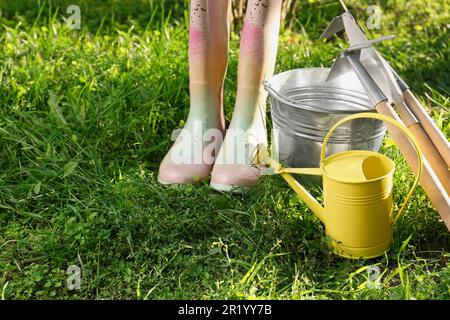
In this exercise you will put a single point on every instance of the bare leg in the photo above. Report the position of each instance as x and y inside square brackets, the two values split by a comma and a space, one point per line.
[191, 157]
[257, 58]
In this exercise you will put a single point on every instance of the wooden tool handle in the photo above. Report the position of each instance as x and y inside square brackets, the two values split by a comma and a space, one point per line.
[429, 181]
[432, 155]
[429, 126]
[428, 149]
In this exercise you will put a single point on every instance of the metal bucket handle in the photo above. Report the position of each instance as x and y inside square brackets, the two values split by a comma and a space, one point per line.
[400, 126]
[284, 98]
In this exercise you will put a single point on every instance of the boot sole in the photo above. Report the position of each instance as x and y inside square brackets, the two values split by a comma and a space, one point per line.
[228, 188]
[176, 184]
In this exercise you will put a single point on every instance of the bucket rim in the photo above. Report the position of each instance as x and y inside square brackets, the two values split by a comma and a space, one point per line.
[299, 105]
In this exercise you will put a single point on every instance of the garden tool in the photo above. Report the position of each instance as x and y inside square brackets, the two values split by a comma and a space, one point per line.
[401, 90]
[357, 186]
[385, 78]
[437, 137]
[349, 60]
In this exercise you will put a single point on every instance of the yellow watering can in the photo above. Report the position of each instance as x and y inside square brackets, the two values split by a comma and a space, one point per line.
[357, 186]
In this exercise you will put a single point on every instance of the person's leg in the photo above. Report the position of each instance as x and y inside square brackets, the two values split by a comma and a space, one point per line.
[191, 158]
[257, 58]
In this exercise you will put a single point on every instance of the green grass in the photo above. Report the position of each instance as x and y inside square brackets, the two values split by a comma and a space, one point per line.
[86, 116]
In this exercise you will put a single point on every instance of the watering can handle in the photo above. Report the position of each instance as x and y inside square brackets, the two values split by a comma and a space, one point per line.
[400, 126]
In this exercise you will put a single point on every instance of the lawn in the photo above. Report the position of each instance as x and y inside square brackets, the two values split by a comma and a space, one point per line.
[87, 115]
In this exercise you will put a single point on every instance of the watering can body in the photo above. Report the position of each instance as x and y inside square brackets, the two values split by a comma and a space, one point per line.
[358, 215]
[357, 208]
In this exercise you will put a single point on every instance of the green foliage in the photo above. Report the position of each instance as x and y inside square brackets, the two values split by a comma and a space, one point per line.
[86, 116]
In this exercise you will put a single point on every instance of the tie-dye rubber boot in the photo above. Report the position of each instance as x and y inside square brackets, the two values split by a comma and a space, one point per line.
[193, 154]
[233, 170]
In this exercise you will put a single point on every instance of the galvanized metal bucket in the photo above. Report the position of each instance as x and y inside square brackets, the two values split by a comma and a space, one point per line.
[305, 107]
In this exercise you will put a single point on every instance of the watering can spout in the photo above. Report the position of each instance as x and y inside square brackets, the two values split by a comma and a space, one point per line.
[303, 194]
